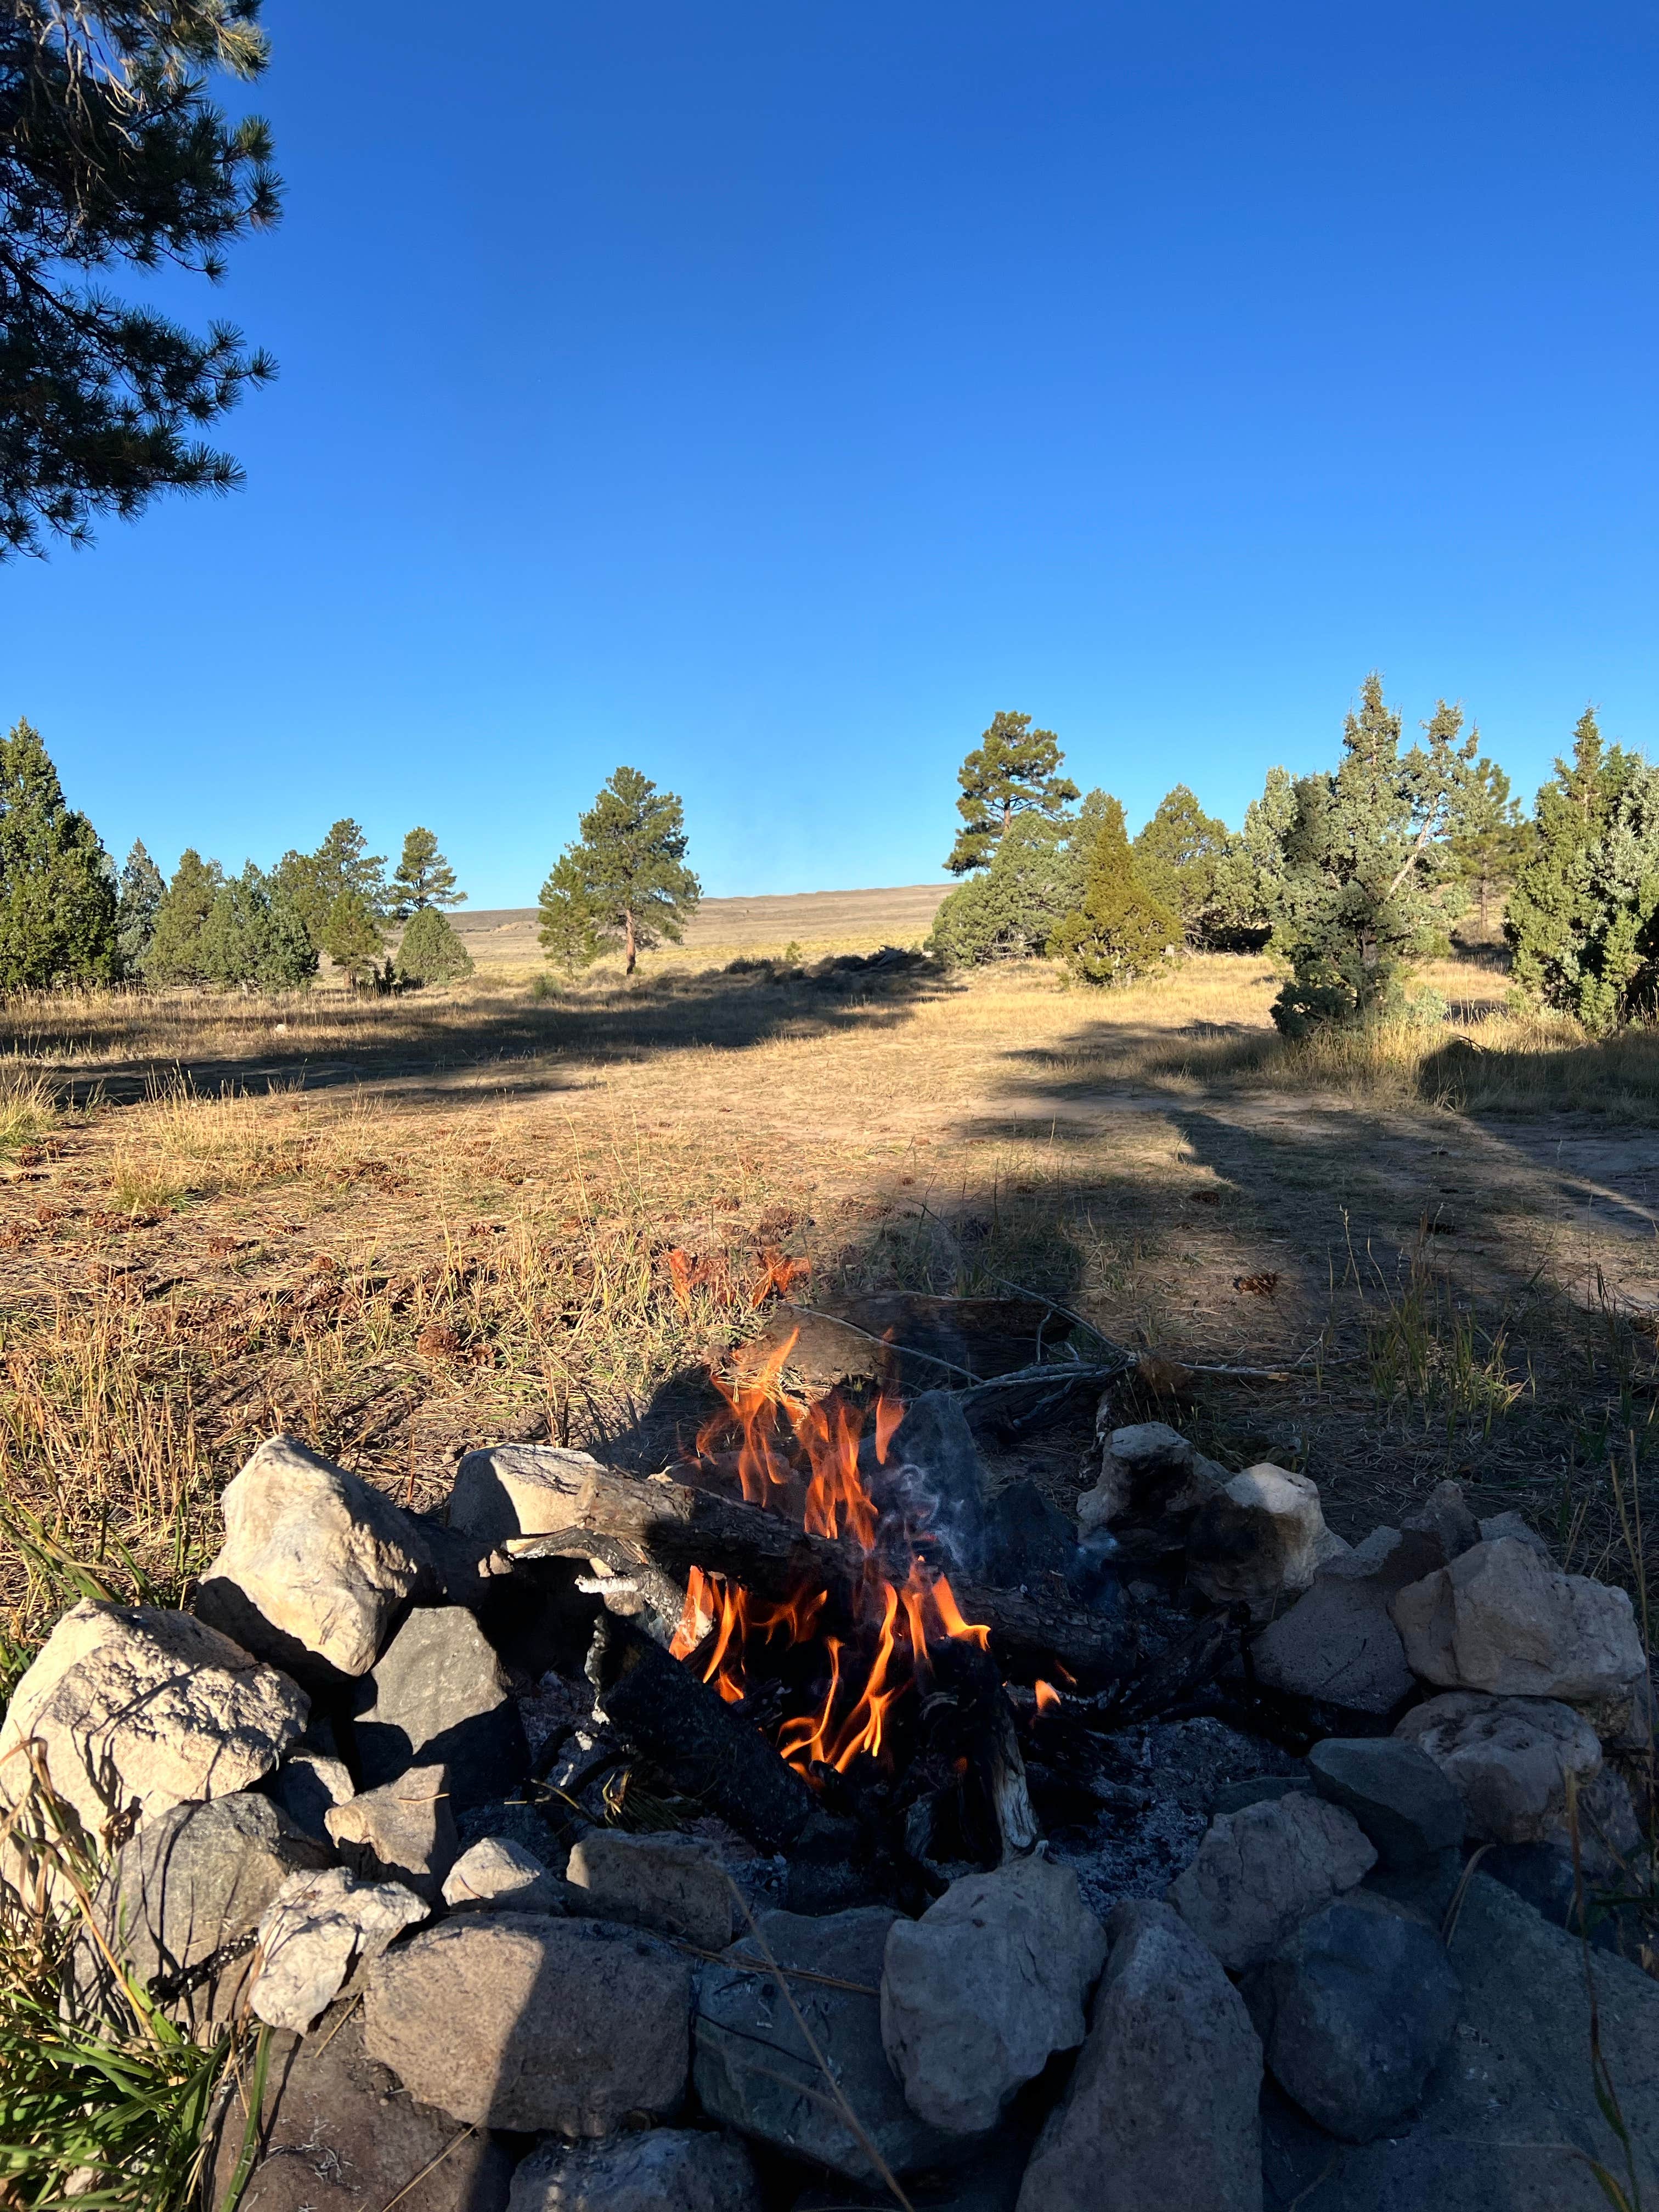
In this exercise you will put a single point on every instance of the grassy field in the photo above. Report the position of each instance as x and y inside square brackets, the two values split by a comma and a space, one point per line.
[403, 1226]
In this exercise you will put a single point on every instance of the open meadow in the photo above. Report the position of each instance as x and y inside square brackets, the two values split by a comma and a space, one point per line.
[402, 1226]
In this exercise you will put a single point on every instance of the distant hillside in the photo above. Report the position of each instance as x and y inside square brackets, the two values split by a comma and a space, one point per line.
[900, 916]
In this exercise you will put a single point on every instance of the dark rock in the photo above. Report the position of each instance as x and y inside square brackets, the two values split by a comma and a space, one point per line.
[438, 1697]
[309, 1785]
[1400, 1797]
[1355, 2009]
[933, 1471]
[651, 2170]
[1260, 1789]
[752, 2070]
[1510, 2115]
[1543, 1874]
[1027, 1537]
[403, 1831]
[1337, 1642]
[516, 1822]
[337, 2134]
[1444, 1515]
[1426, 1889]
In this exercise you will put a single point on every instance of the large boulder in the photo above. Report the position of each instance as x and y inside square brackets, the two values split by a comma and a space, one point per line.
[134, 1711]
[1354, 2009]
[1257, 1873]
[518, 1490]
[314, 1565]
[189, 1885]
[1501, 1619]
[753, 2071]
[1263, 1537]
[655, 2170]
[1508, 1759]
[336, 2133]
[403, 1831]
[1161, 2109]
[1406, 1804]
[438, 1697]
[1511, 2114]
[527, 2021]
[317, 1931]
[978, 1994]
[675, 1884]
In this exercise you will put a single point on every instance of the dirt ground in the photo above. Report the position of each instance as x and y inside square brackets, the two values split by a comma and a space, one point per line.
[404, 1227]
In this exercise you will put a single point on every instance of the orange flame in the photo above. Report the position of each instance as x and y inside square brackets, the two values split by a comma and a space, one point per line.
[754, 1400]
[1046, 1697]
[950, 1612]
[889, 1414]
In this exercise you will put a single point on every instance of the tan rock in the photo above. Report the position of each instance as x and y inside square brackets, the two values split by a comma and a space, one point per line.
[1508, 1759]
[316, 1929]
[674, 1883]
[1260, 1871]
[518, 1490]
[1262, 1539]
[136, 1710]
[315, 1562]
[1503, 1620]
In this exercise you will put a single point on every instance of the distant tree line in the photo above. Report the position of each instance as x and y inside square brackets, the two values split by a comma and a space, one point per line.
[67, 917]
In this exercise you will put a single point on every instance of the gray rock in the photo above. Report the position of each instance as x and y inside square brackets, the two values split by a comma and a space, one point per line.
[189, 1884]
[660, 2170]
[499, 1873]
[676, 1884]
[314, 1564]
[1161, 2109]
[1260, 1871]
[135, 1710]
[317, 1931]
[1259, 1790]
[1501, 1620]
[1509, 2116]
[1354, 2010]
[1152, 1475]
[1496, 1526]
[1404, 1803]
[1508, 1759]
[753, 2070]
[1445, 1517]
[438, 1697]
[1337, 1644]
[336, 2135]
[526, 2022]
[934, 1462]
[518, 1490]
[309, 1785]
[1263, 1537]
[403, 1832]
[978, 1994]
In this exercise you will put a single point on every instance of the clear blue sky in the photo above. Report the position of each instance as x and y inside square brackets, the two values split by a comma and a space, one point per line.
[763, 395]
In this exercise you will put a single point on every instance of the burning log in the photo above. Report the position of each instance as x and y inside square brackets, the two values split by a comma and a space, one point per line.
[673, 1527]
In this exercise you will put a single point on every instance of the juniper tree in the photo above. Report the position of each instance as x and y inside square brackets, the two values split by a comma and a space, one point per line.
[175, 952]
[423, 877]
[1176, 858]
[625, 881]
[314, 883]
[431, 950]
[112, 156]
[252, 935]
[56, 886]
[1371, 878]
[352, 935]
[1119, 930]
[141, 890]
[1013, 769]
[1249, 869]
[1010, 909]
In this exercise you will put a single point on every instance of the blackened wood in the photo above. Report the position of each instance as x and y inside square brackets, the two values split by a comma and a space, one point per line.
[706, 1747]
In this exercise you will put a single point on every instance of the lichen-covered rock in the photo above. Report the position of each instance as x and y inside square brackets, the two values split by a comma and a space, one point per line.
[1259, 1872]
[135, 1710]
[525, 2022]
[978, 1994]
[1161, 2111]
[1508, 1759]
[315, 1562]
[1501, 1620]
[316, 1930]
[1263, 1538]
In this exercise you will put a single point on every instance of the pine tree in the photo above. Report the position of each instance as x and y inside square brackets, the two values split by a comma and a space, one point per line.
[625, 882]
[1120, 931]
[143, 889]
[110, 155]
[352, 935]
[1494, 837]
[431, 950]
[175, 954]
[1176, 858]
[423, 877]
[314, 883]
[1250, 869]
[1013, 769]
[1554, 913]
[1010, 909]
[252, 936]
[56, 887]
[1370, 880]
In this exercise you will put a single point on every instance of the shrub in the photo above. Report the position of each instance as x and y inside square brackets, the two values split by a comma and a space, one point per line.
[432, 950]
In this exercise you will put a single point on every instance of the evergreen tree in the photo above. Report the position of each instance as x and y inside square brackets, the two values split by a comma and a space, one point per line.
[423, 877]
[143, 889]
[1371, 878]
[625, 882]
[1176, 858]
[1013, 769]
[431, 950]
[1249, 869]
[175, 954]
[1494, 837]
[56, 886]
[352, 935]
[1120, 931]
[111, 156]
[314, 883]
[252, 936]
[1010, 909]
